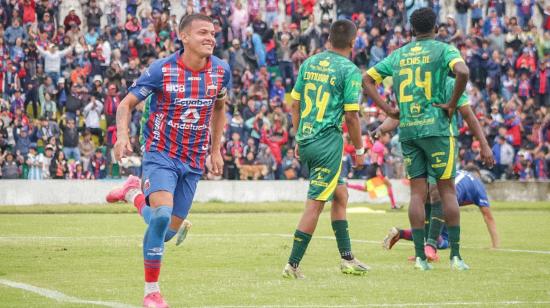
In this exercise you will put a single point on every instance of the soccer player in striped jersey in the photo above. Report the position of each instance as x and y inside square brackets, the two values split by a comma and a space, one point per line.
[189, 90]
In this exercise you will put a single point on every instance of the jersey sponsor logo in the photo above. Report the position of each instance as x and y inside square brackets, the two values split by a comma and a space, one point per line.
[175, 88]
[146, 184]
[157, 124]
[190, 116]
[193, 102]
[169, 70]
[187, 126]
[416, 49]
[194, 78]
[324, 63]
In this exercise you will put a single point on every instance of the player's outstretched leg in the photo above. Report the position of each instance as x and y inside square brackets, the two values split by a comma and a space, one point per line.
[349, 264]
[131, 193]
[153, 247]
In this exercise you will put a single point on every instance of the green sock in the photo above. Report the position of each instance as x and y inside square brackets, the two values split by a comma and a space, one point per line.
[301, 240]
[418, 238]
[340, 228]
[454, 240]
[428, 211]
[436, 224]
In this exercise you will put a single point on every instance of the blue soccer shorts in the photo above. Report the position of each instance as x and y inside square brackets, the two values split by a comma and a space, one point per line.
[163, 173]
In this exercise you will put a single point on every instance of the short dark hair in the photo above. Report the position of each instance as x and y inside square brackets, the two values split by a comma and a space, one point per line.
[472, 169]
[342, 33]
[187, 20]
[423, 20]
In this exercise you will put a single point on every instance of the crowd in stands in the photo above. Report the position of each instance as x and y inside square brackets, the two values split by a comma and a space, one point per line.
[62, 78]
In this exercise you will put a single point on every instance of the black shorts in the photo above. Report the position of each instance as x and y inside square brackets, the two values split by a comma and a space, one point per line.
[372, 171]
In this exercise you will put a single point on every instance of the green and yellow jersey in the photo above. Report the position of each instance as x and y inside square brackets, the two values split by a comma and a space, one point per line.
[419, 71]
[462, 101]
[328, 84]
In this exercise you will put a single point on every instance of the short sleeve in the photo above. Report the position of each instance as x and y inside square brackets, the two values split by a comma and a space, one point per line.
[150, 81]
[449, 88]
[299, 85]
[481, 197]
[452, 56]
[382, 69]
[226, 82]
[352, 89]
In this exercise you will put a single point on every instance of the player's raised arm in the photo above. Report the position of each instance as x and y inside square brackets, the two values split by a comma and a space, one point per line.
[387, 126]
[123, 114]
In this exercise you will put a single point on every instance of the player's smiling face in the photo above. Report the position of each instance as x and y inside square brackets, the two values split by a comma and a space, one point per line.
[199, 38]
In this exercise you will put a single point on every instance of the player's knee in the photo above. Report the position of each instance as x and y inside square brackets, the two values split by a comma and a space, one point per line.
[161, 217]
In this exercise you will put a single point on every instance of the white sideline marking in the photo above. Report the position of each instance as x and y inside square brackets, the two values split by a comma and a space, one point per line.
[60, 297]
[37, 238]
[397, 305]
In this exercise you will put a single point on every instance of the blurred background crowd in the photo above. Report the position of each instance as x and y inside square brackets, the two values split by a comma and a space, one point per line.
[66, 65]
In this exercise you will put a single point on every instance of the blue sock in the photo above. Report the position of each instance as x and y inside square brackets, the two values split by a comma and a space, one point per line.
[170, 234]
[153, 242]
[146, 214]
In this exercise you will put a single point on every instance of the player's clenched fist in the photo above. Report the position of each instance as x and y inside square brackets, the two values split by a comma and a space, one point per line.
[122, 147]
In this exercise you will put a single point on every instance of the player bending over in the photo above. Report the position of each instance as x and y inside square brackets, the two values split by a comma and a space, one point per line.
[188, 91]
[469, 190]
[419, 71]
[376, 168]
[326, 90]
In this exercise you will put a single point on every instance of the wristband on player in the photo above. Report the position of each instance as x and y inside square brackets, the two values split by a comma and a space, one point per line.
[360, 151]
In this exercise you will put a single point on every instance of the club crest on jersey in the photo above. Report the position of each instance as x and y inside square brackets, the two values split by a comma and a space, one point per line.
[146, 185]
[211, 90]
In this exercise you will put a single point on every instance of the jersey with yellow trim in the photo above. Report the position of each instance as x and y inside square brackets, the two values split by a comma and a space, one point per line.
[462, 101]
[419, 71]
[328, 84]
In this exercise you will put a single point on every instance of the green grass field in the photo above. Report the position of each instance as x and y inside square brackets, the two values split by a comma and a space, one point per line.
[234, 256]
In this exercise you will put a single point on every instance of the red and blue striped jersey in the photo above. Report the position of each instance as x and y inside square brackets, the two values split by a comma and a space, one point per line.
[181, 105]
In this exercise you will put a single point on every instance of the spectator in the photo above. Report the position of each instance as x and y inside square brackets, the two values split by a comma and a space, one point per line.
[70, 139]
[93, 16]
[112, 100]
[14, 32]
[35, 161]
[504, 157]
[524, 10]
[87, 149]
[290, 165]
[72, 20]
[52, 60]
[541, 84]
[10, 167]
[98, 165]
[22, 140]
[58, 166]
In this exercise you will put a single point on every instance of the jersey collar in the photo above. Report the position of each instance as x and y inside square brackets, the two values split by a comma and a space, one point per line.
[179, 61]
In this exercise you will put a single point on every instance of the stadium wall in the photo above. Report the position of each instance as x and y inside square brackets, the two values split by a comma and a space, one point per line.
[20, 192]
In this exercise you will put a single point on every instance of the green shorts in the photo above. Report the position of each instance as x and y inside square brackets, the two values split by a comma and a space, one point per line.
[430, 157]
[323, 158]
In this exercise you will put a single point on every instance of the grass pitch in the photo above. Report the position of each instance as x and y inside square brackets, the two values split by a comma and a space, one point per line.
[234, 256]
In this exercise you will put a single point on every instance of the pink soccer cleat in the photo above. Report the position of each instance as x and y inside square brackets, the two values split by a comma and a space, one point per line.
[431, 253]
[118, 194]
[154, 300]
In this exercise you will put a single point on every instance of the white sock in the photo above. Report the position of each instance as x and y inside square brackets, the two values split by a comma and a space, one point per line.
[151, 287]
[132, 194]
